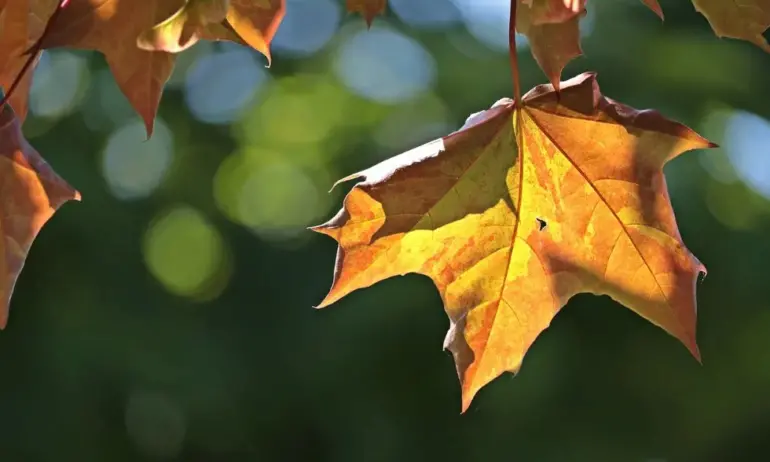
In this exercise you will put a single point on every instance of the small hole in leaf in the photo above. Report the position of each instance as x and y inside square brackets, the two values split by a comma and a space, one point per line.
[541, 224]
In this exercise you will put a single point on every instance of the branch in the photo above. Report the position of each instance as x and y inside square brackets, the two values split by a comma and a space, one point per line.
[33, 52]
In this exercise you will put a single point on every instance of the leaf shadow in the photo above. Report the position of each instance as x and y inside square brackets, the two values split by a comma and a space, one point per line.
[413, 192]
[562, 291]
[656, 141]
[83, 25]
[649, 160]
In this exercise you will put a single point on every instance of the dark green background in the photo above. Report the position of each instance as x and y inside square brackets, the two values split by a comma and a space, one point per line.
[100, 362]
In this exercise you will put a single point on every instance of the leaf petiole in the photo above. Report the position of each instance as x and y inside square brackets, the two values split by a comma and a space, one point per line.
[33, 52]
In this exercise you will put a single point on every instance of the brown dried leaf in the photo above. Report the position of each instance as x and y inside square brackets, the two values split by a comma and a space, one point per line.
[113, 27]
[21, 23]
[31, 192]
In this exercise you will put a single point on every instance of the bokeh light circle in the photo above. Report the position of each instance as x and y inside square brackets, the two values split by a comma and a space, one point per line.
[186, 253]
[155, 424]
[307, 26]
[134, 166]
[219, 85]
[385, 66]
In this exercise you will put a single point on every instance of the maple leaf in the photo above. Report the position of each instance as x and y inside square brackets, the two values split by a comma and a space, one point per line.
[253, 22]
[21, 23]
[31, 193]
[256, 21]
[745, 20]
[655, 7]
[185, 27]
[551, 26]
[553, 11]
[368, 8]
[119, 30]
[518, 211]
[115, 27]
[112, 27]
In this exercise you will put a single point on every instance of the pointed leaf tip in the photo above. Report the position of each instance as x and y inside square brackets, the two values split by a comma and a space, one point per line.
[655, 7]
[553, 43]
[368, 8]
[256, 23]
[32, 193]
[745, 20]
[141, 74]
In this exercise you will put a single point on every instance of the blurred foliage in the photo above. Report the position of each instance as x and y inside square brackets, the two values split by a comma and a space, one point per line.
[169, 315]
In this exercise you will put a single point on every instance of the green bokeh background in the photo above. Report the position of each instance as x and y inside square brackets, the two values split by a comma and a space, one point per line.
[174, 327]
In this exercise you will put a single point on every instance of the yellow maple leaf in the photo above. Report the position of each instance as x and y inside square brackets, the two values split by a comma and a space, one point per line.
[518, 211]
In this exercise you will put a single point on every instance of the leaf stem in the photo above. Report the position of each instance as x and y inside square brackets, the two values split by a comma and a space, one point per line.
[513, 55]
[33, 52]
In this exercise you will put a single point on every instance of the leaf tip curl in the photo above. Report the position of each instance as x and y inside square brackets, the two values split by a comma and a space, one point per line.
[466, 403]
[352, 176]
[323, 304]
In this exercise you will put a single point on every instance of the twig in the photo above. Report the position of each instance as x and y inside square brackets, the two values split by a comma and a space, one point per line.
[33, 51]
[513, 55]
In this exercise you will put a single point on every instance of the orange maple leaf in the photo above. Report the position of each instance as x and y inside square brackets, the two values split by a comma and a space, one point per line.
[114, 27]
[185, 27]
[31, 193]
[553, 11]
[520, 210]
[655, 7]
[253, 22]
[21, 23]
[551, 27]
[256, 21]
[745, 20]
[368, 8]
